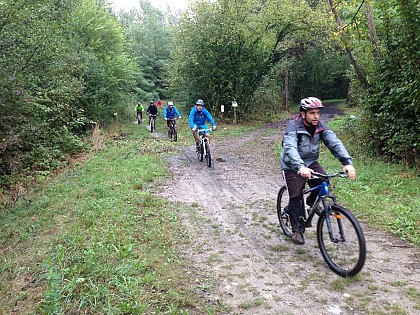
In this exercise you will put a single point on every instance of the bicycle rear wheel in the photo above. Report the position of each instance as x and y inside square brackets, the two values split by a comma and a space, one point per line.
[284, 219]
[208, 154]
[344, 250]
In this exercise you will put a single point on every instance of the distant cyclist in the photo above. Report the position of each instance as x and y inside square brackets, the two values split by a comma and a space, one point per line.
[152, 110]
[170, 112]
[139, 110]
[159, 103]
[299, 159]
[198, 118]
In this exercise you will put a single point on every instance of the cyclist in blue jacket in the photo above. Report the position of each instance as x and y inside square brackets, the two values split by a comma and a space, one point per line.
[299, 157]
[170, 112]
[197, 119]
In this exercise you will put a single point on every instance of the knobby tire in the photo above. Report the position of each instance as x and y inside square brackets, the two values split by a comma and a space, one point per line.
[282, 203]
[152, 125]
[175, 134]
[345, 257]
[208, 154]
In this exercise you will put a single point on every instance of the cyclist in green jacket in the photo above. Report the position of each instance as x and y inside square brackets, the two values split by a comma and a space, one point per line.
[139, 110]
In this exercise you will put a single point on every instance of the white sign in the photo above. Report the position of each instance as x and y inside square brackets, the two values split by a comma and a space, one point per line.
[222, 108]
[234, 104]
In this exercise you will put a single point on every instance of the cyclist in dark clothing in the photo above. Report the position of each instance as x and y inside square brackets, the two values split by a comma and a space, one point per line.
[152, 110]
[299, 157]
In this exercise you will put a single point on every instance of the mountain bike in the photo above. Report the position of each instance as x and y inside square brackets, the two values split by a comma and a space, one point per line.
[139, 118]
[172, 132]
[339, 234]
[204, 147]
[152, 123]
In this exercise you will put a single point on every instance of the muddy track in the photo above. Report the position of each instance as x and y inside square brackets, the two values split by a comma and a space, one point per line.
[239, 256]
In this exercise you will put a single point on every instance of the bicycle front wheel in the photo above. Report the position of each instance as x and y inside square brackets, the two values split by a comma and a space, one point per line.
[151, 125]
[200, 152]
[175, 134]
[343, 245]
[208, 154]
[283, 216]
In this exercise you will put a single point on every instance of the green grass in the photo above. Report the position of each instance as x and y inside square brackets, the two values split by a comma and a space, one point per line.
[96, 239]
[385, 195]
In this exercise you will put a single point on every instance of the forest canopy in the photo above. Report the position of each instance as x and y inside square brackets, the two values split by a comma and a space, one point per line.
[67, 66]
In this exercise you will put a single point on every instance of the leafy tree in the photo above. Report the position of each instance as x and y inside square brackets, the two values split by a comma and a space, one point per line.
[62, 64]
[227, 49]
[149, 41]
[392, 109]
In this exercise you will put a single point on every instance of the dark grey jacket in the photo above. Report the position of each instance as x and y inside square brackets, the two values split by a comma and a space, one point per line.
[295, 155]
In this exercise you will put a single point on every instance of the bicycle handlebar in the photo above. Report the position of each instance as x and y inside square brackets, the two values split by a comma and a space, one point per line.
[342, 174]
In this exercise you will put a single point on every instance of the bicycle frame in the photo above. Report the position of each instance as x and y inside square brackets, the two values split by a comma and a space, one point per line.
[172, 124]
[202, 139]
[322, 196]
[204, 146]
[339, 235]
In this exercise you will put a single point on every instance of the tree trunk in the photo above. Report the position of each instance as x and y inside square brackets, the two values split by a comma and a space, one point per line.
[359, 71]
[286, 88]
[372, 31]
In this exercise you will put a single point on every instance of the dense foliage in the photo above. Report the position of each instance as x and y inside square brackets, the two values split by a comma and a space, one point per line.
[149, 42]
[63, 66]
[66, 66]
[228, 50]
[393, 107]
[383, 38]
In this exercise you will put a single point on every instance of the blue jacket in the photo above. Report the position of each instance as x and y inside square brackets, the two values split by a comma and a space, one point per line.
[300, 149]
[199, 118]
[170, 114]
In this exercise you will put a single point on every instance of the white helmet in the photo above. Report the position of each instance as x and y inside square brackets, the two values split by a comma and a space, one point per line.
[309, 103]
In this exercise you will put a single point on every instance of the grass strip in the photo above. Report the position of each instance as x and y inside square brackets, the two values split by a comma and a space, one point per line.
[97, 240]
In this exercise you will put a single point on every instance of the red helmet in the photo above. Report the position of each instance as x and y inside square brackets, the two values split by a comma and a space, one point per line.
[309, 103]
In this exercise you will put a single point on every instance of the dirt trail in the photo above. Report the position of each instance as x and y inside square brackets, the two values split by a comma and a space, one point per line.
[240, 257]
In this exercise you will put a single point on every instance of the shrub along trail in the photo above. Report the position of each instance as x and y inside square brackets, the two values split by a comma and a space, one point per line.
[239, 256]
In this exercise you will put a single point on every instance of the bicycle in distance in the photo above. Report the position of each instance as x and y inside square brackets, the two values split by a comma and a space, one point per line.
[152, 123]
[204, 147]
[172, 132]
[339, 234]
[139, 118]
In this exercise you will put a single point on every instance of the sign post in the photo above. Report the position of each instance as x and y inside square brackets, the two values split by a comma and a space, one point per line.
[234, 105]
[222, 110]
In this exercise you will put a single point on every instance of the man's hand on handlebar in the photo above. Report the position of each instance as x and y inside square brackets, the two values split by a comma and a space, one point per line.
[305, 172]
[351, 171]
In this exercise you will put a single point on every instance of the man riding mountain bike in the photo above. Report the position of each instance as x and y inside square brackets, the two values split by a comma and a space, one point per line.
[170, 112]
[299, 157]
[152, 110]
[198, 118]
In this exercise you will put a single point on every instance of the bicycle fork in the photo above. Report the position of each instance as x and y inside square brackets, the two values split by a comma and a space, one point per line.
[328, 210]
[203, 144]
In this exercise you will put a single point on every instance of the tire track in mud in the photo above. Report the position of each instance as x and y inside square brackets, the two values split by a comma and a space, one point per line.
[239, 255]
